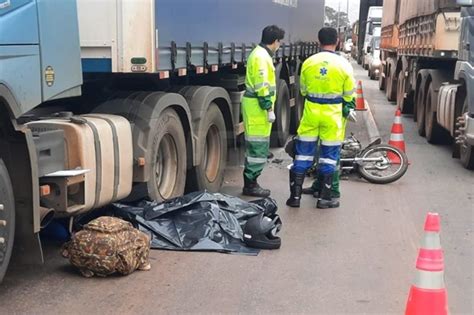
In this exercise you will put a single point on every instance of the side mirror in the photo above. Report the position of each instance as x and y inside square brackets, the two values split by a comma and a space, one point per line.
[369, 49]
[465, 3]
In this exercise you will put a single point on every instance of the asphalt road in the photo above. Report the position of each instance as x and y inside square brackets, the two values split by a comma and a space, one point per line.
[358, 259]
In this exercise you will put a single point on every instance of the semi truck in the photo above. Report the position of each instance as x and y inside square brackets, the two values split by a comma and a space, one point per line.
[369, 21]
[427, 68]
[105, 100]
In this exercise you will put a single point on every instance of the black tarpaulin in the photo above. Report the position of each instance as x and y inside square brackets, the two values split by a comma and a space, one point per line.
[200, 221]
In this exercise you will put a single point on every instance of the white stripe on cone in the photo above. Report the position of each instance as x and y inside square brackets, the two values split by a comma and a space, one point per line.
[396, 137]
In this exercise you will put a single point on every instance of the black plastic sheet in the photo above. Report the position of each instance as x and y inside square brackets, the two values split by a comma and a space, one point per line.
[200, 221]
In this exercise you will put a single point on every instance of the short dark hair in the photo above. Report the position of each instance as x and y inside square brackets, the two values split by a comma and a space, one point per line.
[327, 36]
[272, 33]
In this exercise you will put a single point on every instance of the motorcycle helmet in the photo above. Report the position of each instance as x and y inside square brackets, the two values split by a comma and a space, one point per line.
[261, 232]
[268, 205]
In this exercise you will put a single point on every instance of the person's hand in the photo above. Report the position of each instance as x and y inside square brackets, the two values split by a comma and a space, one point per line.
[352, 115]
[271, 116]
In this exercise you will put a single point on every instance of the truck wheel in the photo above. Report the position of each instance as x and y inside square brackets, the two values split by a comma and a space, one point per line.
[7, 219]
[466, 150]
[209, 174]
[420, 110]
[433, 131]
[297, 110]
[415, 104]
[372, 75]
[381, 82]
[168, 169]
[404, 103]
[281, 126]
[390, 91]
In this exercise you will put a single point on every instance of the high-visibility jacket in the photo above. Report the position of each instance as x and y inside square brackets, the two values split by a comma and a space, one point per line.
[260, 90]
[327, 83]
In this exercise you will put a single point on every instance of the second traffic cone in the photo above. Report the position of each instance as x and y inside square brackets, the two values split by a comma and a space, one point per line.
[360, 101]
[428, 294]
[396, 137]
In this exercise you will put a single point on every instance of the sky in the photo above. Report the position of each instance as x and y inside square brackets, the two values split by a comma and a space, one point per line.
[353, 7]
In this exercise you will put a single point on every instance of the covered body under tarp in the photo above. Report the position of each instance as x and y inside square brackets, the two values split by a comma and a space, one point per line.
[200, 221]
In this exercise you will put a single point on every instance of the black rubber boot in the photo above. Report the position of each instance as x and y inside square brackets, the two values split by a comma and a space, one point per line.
[296, 188]
[252, 188]
[325, 200]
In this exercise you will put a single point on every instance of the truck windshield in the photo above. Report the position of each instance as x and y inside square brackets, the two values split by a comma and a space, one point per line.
[375, 12]
[377, 43]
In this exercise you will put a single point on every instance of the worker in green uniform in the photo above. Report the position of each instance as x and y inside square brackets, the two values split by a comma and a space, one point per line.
[327, 83]
[257, 108]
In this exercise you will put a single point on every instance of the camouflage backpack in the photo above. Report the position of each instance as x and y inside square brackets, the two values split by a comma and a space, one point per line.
[107, 245]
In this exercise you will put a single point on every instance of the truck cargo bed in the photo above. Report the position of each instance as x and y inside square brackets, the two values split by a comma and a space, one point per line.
[435, 35]
[151, 36]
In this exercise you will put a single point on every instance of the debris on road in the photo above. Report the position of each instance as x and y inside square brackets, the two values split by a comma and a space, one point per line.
[200, 221]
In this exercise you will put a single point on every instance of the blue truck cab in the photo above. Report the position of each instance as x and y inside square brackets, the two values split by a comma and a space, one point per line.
[39, 62]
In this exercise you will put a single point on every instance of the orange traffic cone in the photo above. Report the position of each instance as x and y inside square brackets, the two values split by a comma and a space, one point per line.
[360, 102]
[428, 293]
[396, 137]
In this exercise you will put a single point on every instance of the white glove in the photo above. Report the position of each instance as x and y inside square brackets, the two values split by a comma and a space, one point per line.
[352, 115]
[271, 116]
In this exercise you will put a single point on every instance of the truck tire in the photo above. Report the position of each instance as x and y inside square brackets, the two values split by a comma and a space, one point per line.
[381, 82]
[390, 90]
[209, 174]
[466, 151]
[281, 126]
[433, 131]
[297, 110]
[404, 103]
[372, 75]
[168, 169]
[7, 217]
[420, 110]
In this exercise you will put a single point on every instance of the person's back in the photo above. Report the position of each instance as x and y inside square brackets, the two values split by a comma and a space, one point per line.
[326, 78]
[331, 71]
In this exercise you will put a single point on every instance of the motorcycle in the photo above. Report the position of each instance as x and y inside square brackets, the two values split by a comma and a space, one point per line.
[377, 163]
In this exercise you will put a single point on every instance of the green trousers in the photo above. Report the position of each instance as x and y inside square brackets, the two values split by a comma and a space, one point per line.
[256, 153]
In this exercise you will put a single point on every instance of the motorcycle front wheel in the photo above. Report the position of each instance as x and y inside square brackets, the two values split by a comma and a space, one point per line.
[382, 164]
